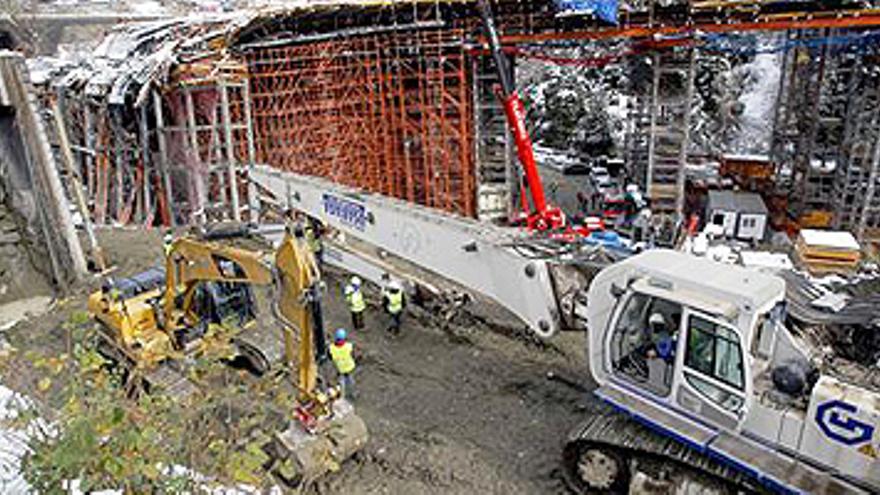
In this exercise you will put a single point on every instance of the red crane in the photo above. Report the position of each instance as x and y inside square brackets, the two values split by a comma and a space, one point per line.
[539, 215]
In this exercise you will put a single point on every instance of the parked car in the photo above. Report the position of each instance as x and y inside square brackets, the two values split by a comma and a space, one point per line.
[600, 177]
[575, 168]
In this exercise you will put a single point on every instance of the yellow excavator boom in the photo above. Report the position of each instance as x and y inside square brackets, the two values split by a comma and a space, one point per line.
[296, 280]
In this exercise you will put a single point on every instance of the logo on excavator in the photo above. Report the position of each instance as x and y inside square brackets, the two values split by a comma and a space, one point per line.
[348, 212]
[837, 420]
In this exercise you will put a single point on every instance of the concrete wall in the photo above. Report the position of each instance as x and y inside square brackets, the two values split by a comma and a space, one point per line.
[30, 178]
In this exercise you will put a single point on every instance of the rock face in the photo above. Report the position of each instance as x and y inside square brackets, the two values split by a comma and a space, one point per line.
[24, 268]
[19, 277]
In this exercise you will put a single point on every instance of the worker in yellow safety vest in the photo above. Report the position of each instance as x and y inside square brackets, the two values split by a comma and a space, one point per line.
[354, 296]
[167, 241]
[313, 232]
[394, 303]
[342, 353]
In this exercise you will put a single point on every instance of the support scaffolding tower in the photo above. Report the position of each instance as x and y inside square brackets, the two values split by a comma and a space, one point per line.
[498, 176]
[858, 207]
[806, 124]
[658, 136]
[826, 140]
[390, 113]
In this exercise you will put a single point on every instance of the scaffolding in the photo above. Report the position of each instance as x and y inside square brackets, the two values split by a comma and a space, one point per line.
[858, 207]
[495, 153]
[659, 127]
[805, 105]
[398, 99]
[210, 142]
[827, 133]
[386, 113]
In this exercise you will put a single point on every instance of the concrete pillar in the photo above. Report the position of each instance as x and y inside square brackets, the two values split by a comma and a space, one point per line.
[41, 161]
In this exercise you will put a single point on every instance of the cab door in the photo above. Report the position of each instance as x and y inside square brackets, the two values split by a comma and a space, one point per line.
[635, 352]
[712, 378]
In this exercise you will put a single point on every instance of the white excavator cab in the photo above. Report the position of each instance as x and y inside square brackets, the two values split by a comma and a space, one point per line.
[678, 354]
[698, 351]
[668, 330]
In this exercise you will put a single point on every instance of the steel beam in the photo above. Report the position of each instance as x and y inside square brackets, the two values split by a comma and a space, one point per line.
[854, 19]
[168, 192]
[230, 151]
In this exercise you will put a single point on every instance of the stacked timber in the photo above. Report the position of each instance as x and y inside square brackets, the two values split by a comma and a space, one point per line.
[825, 251]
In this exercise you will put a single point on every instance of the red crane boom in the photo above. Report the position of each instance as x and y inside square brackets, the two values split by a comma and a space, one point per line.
[540, 216]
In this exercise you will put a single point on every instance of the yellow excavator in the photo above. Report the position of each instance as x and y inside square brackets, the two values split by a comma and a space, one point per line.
[154, 322]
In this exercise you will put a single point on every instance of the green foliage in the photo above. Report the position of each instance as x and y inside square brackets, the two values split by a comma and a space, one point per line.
[568, 107]
[108, 437]
[244, 464]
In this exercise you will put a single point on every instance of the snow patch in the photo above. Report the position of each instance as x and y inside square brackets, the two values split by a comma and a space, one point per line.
[759, 102]
[148, 7]
[766, 261]
[14, 443]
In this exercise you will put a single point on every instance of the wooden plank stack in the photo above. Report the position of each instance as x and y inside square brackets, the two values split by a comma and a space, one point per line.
[826, 251]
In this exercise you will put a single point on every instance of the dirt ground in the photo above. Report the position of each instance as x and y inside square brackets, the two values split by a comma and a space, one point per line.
[447, 416]
[466, 412]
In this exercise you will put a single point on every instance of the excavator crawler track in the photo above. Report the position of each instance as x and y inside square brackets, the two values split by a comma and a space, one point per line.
[617, 454]
[163, 376]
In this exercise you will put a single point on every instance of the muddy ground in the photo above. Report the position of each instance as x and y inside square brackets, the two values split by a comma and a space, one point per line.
[468, 411]
[478, 416]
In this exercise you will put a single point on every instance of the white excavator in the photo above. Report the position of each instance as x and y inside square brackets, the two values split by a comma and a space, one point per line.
[697, 352]
[707, 385]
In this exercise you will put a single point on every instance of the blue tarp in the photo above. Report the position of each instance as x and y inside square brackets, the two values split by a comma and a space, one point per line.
[609, 240]
[603, 9]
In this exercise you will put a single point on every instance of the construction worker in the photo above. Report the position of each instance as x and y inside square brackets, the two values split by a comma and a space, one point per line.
[313, 232]
[394, 303]
[356, 303]
[342, 353]
[167, 241]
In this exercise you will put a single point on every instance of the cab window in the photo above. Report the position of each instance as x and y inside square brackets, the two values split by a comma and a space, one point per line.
[644, 342]
[714, 351]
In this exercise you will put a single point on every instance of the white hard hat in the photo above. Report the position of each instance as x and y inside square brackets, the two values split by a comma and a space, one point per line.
[356, 281]
[169, 237]
[395, 285]
[656, 319]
